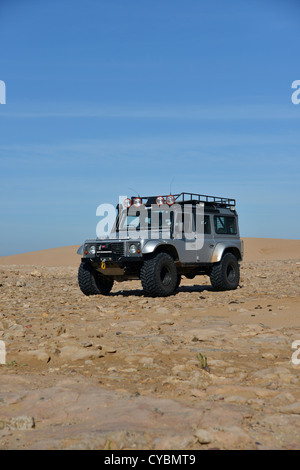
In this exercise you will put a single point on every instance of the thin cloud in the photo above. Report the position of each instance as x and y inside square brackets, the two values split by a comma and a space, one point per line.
[223, 113]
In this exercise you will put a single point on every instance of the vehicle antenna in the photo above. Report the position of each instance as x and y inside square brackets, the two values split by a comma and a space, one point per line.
[134, 191]
[171, 185]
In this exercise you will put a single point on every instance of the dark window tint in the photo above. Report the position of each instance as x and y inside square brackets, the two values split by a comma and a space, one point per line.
[225, 225]
[207, 228]
[203, 226]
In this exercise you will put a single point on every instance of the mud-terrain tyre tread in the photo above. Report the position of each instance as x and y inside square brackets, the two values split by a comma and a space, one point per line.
[151, 273]
[91, 282]
[178, 281]
[218, 276]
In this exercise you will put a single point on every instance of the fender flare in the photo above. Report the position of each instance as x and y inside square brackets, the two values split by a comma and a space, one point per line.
[80, 250]
[151, 246]
[221, 248]
[162, 246]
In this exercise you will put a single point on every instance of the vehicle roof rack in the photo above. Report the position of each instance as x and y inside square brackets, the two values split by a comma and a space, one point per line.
[192, 198]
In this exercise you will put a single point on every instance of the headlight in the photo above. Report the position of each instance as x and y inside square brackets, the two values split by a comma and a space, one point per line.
[132, 249]
[92, 250]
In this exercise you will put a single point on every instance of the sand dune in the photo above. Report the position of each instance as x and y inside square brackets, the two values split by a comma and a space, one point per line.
[256, 249]
[63, 256]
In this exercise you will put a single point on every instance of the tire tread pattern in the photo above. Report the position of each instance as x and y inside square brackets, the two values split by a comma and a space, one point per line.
[89, 284]
[149, 276]
[218, 277]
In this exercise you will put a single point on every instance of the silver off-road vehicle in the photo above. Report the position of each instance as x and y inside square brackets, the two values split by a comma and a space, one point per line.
[158, 239]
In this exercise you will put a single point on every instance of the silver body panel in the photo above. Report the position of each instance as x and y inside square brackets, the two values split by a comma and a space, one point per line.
[186, 249]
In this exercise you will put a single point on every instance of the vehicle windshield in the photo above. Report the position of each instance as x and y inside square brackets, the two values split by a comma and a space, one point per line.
[143, 220]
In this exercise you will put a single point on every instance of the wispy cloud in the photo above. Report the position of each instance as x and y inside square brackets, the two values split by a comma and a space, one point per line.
[193, 112]
[239, 147]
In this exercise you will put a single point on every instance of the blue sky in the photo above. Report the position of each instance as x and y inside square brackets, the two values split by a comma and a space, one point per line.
[107, 95]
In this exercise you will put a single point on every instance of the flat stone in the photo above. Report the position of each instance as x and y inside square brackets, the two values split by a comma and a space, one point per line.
[294, 408]
[22, 423]
[39, 354]
[203, 436]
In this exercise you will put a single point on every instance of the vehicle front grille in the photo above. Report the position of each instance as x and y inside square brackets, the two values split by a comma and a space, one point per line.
[117, 248]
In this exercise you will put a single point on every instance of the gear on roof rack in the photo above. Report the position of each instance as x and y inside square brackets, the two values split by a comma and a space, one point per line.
[190, 198]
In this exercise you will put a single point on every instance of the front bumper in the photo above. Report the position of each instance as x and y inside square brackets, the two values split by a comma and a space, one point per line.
[113, 258]
[116, 266]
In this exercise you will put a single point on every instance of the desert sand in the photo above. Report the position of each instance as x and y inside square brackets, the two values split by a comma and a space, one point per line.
[197, 370]
[256, 249]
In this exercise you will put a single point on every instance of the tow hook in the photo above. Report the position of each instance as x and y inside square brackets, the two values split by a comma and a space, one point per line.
[103, 265]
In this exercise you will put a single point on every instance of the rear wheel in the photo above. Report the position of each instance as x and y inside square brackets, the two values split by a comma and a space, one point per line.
[93, 283]
[159, 275]
[225, 275]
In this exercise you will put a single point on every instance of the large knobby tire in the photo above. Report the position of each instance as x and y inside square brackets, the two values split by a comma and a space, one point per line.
[178, 282]
[159, 275]
[93, 283]
[225, 275]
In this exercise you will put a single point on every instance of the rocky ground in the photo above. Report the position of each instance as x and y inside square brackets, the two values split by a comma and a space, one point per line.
[198, 370]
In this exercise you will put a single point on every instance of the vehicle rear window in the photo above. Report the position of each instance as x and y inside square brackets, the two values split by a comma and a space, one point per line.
[225, 225]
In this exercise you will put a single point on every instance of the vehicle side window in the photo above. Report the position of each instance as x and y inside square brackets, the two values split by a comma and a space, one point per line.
[207, 228]
[205, 225]
[225, 225]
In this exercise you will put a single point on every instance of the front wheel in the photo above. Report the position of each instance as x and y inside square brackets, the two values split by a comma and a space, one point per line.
[159, 275]
[178, 281]
[225, 275]
[93, 283]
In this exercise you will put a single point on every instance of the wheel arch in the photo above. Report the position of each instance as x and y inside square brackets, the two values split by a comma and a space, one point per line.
[153, 248]
[221, 249]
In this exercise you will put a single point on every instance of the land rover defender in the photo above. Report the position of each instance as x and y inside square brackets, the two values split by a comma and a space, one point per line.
[159, 239]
